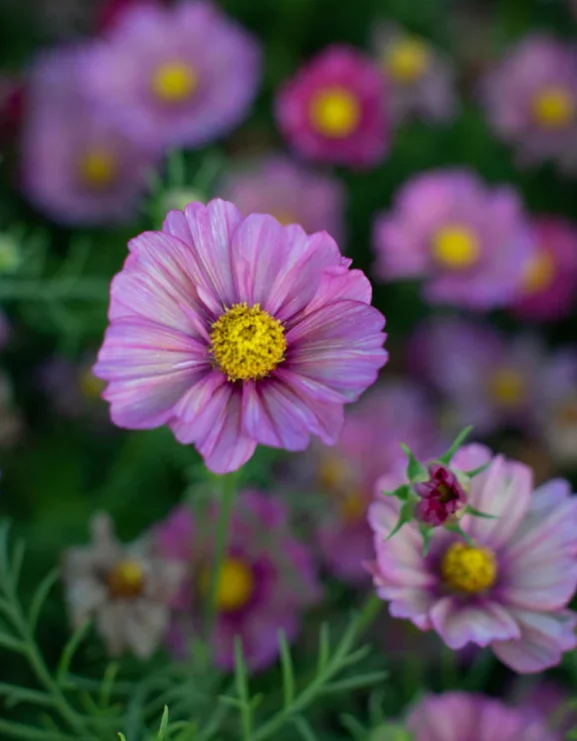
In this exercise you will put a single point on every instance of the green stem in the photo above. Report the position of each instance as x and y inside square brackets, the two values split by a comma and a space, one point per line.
[228, 491]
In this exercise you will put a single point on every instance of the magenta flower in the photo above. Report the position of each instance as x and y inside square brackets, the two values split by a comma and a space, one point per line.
[267, 579]
[189, 74]
[369, 446]
[549, 278]
[459, 716]
[333, 110]
[531, 100]
[292, 193]
[509, 590]
[236, 332]
[419, 79]
[77, 166]
[442, 496]
[468, 242]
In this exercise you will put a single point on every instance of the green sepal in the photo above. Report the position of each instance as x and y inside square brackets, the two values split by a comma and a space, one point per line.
[402, 492]
[477, 513]
[415, 470]
[459, 440]
[456, 528]
[477, 471]
[405, 515]
[427, 534]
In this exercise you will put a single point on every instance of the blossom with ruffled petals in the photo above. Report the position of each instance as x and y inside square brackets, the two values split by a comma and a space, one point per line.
[508, 589]
[236, 332]
[266, 581]
[334, 109]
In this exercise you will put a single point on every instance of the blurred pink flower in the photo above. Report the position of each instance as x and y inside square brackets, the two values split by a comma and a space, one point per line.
[549, 277]
[334, 109]
[236, 332]
[467, 241]
[531, 100]
[73, 389]
[267, 579]
[174, 76]
[459, 716]
[291, 192]
[510, 589]
[419, 79]
[550, 703]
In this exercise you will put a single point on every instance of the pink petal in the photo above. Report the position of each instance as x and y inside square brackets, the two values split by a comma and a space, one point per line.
[461, 623]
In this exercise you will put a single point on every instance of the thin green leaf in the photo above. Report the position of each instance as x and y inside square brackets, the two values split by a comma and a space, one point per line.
[459, 440]
[477, 513]
[402, 492]
[40, 596]
[288, 679]
[233, 702]
[353, 683]
[415, 470]
[405, 515]
[477, 471]
[163, 724]
[324, 648]
[12, 643]
[15, 695]
[427, 534]
[70, 649]
[456, 528]
[107, 686]
[121, 736]
[353, 726]
[304, 729]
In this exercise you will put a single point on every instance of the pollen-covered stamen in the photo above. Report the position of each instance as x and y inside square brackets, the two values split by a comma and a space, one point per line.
[125, 580]
[468, 569]
[247, 343]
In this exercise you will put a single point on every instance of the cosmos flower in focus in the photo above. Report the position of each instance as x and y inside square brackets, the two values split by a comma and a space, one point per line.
[509, 588]
[369, 446]
[292, 193]
[531, 100]
[77, 166]
[189, 73]
[236, 332]
[126, 588]
[549, 278]
[457, 716]
[419, 80]
[334, 109]
[266, 582]
[467, 241]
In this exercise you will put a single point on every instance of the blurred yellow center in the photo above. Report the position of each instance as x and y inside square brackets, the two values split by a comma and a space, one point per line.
[285, 218]
[507, 387]
[98, 168]
[468, 569]
[126, 580]
[90, 385]
[235, 585]
[456, 247]
[553, 108]
[335, 112]
[407, 59]
[352, 508]
[247, 343]
[332, 472]
[539, 273]
[174, 82]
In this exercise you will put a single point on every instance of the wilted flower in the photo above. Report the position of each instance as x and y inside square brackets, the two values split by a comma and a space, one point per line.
[531, 100]
[420, 79]
[549, 278]
[236, 332]
[189, 73]
[266, 581]
[509, 587]
[466, 240]
[292, 193]
[76, 164]
[442, 496]
[368, 447]
[458, 716]
[127, 589]
[334, 109]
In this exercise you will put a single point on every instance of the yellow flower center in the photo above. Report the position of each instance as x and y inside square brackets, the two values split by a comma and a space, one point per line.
[507, 387]
[539, 273]
[335, 112]
[352, 508]
[332, 473]
[98, 168]
[553, 108]
[285, 218]
[407, 59]
[174, 82]
[247, 343]
[125, 580]
[469, 569]
[456, 247]
[235, 585]
[90, 385]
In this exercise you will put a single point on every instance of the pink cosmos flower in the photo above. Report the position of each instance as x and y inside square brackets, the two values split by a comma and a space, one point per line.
[267, 579]
[77, 166]
[333, 110]
[510, 589]
[236, 332]
[419, 79]
[189, 74]
[459, 716]
[467, 241]
[550, 277]
[292, 193]
[531, 100]
[368, 447]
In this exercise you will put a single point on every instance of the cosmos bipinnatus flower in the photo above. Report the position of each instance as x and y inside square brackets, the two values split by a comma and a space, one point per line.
[125, 588]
